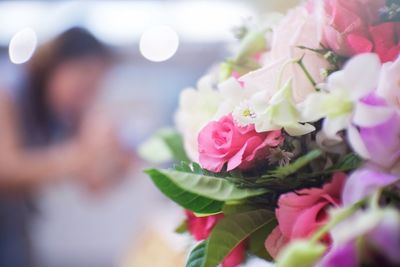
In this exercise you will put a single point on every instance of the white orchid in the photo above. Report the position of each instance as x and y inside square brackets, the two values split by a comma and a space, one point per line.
[279, 112]
[340, 101]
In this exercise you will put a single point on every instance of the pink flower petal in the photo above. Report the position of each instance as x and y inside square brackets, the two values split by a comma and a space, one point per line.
[236, 257]
[275, 242]
[307, 221]
[236, 160]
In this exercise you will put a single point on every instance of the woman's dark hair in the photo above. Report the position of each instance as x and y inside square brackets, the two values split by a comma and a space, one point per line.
[72, 44]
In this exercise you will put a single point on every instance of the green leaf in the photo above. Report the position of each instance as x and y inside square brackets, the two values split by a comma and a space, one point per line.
[231, 231]
[197, 255]
[187, 200]
[292, 168]
[251, 44]
[175, 143]
[229, 209]
[348, 163]
[182, 228]
[208, 186]
[165, 145]
[257, 241]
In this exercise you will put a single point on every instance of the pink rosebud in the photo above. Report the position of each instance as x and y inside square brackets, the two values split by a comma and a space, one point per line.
[201, 227]
[223, 142]
[236, 257]
[301, 213]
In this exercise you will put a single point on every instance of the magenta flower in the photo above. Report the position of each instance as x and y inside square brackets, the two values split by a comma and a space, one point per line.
[343, 256]
[372, 238]
[364, 182]
[383, 141]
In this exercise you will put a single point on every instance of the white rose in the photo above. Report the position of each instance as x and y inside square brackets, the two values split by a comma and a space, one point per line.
[197, 107]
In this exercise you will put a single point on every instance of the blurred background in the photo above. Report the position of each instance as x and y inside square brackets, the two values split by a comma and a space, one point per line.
[134, 57]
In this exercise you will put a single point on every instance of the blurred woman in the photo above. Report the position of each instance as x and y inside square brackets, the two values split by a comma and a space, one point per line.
[50, 131]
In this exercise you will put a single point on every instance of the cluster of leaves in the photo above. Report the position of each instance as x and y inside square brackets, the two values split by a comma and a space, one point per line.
[191, 188]
[247, 200]
[203, 193]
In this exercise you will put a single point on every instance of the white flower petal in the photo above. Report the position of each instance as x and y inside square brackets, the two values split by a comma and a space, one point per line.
[336, 81]
[389, 83]
[206, 81]
[265, 78]
[196, 108]
[362, 74]
[230, 88]
[367, 116]
[264, 124]
[298, 129]
[313, 108]
[332, 126]
[356, 142]
[284, 94]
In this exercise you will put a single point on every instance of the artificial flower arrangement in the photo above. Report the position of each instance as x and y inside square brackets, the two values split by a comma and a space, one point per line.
[290, 150]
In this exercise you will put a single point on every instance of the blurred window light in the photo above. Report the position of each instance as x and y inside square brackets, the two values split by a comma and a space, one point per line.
[15, 16]
[122, 22]
[47, 18]
[22, 46]
[209, 21]
[159, 43]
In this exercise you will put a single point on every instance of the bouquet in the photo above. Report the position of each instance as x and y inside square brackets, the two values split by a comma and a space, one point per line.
[289, 151]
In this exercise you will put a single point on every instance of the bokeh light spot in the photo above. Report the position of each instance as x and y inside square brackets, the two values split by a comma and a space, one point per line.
[159, 43]
[22, 46]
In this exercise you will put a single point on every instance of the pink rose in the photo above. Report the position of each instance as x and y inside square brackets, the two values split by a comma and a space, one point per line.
[201, 227]
[223, 142]
[353, 27]
[300, 214]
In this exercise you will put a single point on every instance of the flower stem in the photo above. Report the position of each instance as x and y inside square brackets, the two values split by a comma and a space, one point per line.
[306, 72]
[339, 217]
[374, 200]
